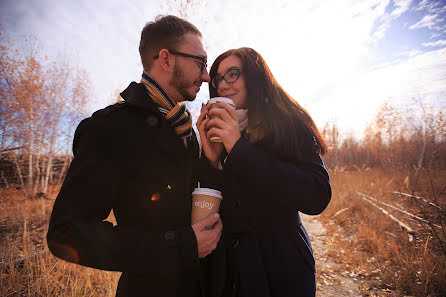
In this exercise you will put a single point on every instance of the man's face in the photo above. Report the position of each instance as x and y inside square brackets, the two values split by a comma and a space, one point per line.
[187, 76]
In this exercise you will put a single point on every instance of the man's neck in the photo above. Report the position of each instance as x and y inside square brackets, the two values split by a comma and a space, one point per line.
[163, 82]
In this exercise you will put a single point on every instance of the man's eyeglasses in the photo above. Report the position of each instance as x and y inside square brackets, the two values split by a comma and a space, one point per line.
[204, 61]
[230, 77]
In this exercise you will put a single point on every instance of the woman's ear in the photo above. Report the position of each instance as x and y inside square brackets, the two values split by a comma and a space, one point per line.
[166, 60]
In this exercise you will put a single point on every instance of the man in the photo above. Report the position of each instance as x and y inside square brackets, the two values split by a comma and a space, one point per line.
[140, 159]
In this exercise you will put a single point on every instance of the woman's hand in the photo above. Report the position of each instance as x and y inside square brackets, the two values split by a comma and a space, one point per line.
[212, 150]
[224, 123]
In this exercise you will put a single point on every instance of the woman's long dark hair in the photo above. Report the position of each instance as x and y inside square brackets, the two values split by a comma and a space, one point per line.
[289, 129]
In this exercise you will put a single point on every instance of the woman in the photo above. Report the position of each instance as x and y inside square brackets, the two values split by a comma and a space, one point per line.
[270, 171]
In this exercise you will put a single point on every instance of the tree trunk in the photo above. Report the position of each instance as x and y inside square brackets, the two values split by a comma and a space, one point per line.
[4, 180]
[55, 127]
[39, 165]
[420, 163]
[29, 181]
[19, 172]
[47, 174]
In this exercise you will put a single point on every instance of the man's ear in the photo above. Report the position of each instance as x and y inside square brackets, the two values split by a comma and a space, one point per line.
[166, 60]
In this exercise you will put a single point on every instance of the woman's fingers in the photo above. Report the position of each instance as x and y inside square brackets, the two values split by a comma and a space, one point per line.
[223, 123]
[223, 116]
[215, 122]
[203, 113]
[211, 150]
[230, 110]
[200, 119]
[215, 131]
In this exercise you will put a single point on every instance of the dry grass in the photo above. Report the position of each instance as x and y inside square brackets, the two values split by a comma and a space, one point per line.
[23, 225]
[379, 254]
[378, 249]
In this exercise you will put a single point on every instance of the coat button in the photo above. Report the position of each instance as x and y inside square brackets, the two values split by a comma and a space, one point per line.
[235, 243]
[152, 121]
[169, 235]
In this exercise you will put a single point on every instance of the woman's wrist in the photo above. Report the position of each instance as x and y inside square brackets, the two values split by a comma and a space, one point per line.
[231, 145]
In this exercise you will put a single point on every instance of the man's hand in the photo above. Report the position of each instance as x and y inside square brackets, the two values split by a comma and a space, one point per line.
[208, 232]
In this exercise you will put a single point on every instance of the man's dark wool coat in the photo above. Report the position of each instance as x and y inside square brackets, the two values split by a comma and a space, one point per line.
[127, 159]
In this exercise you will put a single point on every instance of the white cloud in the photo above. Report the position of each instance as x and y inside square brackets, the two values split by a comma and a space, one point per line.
[434, 44]
[422, 5]
[315, 49]
[410, 53]
[440, 28]
[434, 35]
[306, 42]
[356, 100]
[401, 6]
[431, 6]
[428, 21]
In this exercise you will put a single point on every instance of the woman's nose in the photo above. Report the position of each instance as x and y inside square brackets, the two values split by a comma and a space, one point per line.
[223, 85]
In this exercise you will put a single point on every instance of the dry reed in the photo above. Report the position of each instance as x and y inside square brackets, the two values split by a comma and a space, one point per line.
[374, 246]
[377, 246]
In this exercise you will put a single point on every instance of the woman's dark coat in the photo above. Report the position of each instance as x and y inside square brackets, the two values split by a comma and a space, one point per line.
[128, 159]
[265, 248]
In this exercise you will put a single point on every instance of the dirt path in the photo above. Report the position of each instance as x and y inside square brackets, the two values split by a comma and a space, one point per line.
[330, 282]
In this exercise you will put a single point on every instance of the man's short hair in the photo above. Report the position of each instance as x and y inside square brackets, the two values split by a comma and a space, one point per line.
[165, 32]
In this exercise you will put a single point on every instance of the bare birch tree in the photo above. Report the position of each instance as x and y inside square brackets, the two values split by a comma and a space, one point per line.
[42, 100]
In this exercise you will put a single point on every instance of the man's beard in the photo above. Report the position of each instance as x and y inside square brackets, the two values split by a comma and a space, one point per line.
[180, 83]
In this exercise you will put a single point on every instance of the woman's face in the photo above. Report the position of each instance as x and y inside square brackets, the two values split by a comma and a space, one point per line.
[234, 90]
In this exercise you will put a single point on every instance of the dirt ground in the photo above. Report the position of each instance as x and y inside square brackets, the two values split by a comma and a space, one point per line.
[330, 282]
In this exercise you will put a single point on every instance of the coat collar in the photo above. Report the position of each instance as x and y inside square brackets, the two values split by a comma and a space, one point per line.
[136, 95]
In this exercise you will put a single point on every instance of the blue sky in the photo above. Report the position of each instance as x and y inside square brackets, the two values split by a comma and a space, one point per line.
[341, 59]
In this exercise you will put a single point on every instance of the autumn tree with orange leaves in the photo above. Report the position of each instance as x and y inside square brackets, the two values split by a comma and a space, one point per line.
[409, 137]
[41, 100]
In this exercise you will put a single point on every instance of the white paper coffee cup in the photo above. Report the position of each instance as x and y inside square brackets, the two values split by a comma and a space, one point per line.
[205, 201]
[221, 99]
[214, 100]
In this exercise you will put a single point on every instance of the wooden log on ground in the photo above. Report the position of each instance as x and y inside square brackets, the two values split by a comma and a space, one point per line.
[416, 197]
[401, 224]
[400, 210]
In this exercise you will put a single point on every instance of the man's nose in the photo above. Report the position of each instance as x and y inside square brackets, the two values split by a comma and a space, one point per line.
[205, 76]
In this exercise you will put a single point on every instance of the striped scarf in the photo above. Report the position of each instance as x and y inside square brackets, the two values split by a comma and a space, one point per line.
[178, 117]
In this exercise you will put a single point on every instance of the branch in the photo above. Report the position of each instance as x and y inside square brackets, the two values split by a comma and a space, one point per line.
[401, 210]
[11, 149]
[402, 225]
[416, 197]
[339, 212]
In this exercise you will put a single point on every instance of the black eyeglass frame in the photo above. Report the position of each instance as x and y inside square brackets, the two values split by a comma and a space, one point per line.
[204, 60]
[216, 84]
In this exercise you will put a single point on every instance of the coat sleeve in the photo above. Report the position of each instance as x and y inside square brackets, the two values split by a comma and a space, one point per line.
[77, 231]
[210, 177]
[304, 186]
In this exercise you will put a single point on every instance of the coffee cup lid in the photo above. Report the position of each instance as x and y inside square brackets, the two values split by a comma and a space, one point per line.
[221, 99]
[207, 191]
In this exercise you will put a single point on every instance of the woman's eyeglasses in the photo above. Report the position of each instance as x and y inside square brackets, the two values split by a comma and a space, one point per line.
[204, 60]
[229, 77]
